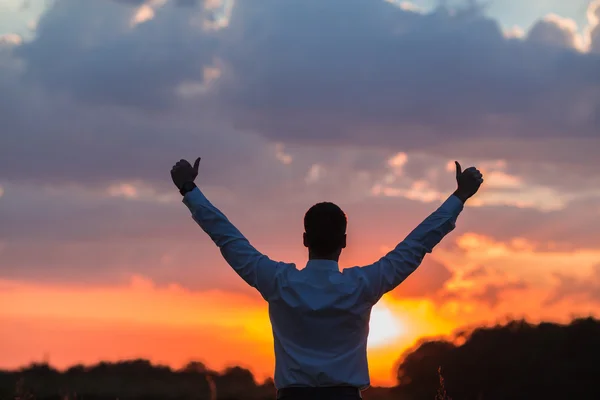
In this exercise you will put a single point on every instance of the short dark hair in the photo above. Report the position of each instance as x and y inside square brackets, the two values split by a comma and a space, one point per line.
[325, 226]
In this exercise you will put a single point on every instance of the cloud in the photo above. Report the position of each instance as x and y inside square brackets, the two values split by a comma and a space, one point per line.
[491, 295]
[427, 281]
[144, 13]
[131, 2]
[570, 228]
[479, 284]
[494, 274]
[363, 103]
[372, 73]
[357, 102]
[574, 289]
[89, 87]
[556, 31]
[516, 32]
[70, 142]
[76, 235]
[593, 16]
[10, 39]
[91, 52]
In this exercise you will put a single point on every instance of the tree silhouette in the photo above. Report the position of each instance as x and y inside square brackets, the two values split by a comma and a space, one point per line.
[515, 361]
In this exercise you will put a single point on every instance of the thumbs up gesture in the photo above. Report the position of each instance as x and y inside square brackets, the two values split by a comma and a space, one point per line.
[183, 172]
[468, 182]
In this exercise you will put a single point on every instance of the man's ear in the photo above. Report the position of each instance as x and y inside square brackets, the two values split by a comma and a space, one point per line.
[305, 239]
[344, 242]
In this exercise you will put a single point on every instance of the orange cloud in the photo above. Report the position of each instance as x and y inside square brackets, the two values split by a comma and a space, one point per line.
[514, 277]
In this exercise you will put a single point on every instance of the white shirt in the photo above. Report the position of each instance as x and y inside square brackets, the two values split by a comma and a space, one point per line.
[319, 315]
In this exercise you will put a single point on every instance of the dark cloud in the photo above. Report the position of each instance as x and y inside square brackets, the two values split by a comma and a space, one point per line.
[571, 228]
[367, 72]
[188, 3]
[90, 51]
[92, 88]
[195, 266]
[50, 140]
[182, 3]
[131, 2]
[93, 101]
[549, 32]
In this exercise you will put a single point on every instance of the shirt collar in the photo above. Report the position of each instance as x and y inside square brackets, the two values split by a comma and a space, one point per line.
[323, 264]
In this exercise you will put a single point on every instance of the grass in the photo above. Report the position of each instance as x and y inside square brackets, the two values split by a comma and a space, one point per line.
[21, 392]
[441, 393]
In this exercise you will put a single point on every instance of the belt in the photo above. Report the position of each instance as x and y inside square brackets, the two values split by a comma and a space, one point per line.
[306, 392]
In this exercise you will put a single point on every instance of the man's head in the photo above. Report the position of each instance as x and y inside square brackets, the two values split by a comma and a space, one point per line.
[325, 231]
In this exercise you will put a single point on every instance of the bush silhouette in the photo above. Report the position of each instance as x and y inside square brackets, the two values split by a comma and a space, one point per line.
[515, 361]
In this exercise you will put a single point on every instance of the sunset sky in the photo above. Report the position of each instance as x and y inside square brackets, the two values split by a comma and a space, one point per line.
[366, 103]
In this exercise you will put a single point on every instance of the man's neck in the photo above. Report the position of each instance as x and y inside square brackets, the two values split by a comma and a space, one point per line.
[329, 257]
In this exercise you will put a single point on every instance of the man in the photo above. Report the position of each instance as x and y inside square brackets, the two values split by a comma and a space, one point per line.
[319, 314]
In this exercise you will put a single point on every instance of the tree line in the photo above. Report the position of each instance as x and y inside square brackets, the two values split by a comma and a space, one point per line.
[517, 360]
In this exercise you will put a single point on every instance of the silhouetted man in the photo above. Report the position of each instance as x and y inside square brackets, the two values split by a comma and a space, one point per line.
[319, 315]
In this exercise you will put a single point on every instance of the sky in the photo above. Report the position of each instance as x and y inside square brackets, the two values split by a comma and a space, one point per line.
[366, 103]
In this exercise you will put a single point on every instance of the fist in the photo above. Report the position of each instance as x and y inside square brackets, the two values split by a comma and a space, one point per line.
[468, 181]
[183, 172]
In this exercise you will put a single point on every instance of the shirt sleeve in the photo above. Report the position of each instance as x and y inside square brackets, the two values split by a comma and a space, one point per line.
[255, 268]
[392, 269]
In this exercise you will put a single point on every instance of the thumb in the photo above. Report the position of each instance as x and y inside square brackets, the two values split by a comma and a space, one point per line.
[197, 164]
[458, 169]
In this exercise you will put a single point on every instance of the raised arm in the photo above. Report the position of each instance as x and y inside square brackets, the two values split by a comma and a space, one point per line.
[389, 271]
[255, 268]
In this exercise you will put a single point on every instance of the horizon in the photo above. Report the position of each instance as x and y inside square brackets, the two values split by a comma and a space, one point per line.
[364, 103]
[459, 339]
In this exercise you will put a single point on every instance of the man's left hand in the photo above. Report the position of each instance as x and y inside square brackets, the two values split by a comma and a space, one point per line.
[183, 172]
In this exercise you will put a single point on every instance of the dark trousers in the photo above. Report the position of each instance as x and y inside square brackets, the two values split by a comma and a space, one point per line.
[319, 393]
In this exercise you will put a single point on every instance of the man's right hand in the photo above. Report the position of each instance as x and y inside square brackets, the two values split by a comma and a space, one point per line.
[183, 172]
[468, 182]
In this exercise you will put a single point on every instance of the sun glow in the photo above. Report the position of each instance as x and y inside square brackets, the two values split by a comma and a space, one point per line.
[384, 326]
